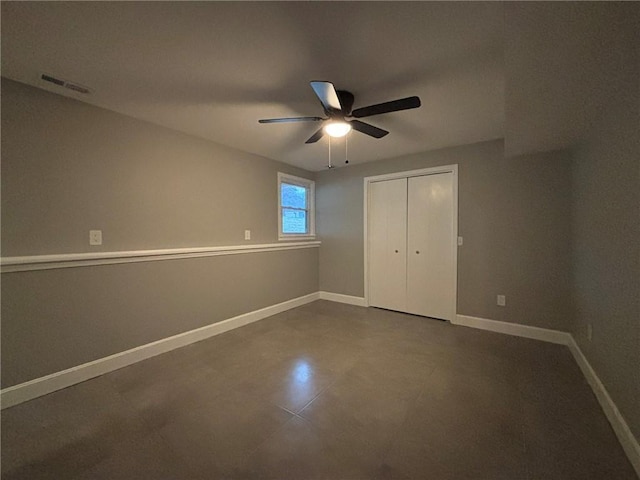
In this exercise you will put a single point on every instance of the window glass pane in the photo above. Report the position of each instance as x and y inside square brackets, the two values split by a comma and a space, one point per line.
[293, 196]
[294, 221]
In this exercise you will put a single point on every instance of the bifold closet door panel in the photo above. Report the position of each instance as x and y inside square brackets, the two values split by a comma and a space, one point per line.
[430, 265]
[387, 236]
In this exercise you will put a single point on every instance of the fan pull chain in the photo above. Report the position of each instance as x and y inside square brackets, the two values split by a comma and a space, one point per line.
[330, 166]
[346, 149]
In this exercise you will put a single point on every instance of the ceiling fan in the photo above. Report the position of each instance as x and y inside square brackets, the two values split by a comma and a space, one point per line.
[341, 118]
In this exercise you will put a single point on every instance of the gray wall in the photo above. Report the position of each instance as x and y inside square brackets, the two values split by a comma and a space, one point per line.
[56, 319]
[68, 167]
[606, 235]
[514, 215]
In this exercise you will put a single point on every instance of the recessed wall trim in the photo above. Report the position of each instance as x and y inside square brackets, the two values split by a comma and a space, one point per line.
[71, 260]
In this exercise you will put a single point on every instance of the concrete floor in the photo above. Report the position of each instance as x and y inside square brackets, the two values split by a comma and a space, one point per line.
[325, 391]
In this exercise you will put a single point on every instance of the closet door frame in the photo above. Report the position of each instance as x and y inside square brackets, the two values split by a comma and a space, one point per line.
[453, 169]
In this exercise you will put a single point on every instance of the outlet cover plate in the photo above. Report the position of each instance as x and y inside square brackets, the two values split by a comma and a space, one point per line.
[95, 237]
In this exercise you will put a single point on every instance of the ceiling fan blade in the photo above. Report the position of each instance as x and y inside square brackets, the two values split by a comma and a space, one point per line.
[346, 101]
[368, 129]
[316, 136]
[387, 107]
[290, 119]
[328, 96]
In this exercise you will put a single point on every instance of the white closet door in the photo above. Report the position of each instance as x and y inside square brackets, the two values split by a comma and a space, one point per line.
[387, 230]
[430, 266]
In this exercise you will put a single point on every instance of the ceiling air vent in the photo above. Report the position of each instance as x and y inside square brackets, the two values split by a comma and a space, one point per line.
[64, 83]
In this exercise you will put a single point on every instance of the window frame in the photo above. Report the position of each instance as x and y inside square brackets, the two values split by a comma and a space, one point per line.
[310, 187]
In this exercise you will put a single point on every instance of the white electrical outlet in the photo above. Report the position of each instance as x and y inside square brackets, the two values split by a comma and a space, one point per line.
[502, 300]
[459, 241]
[247, 234]
[589, 332]
[95, 237]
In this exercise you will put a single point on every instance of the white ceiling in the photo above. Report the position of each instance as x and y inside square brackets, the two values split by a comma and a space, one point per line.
[212, 69]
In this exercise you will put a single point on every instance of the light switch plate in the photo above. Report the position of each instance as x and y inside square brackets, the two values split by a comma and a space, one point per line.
[459, 241]
[502, 300]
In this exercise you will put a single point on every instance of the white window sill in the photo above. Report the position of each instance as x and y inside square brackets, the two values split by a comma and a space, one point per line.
[296, 237]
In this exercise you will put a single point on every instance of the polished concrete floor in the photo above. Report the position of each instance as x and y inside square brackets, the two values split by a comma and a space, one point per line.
[325, 391]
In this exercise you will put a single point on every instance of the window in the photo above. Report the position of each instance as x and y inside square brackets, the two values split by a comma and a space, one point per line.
[296, 216]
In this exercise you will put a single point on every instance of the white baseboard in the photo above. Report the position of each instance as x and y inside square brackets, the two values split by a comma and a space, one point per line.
[620, 427]
[623, 432]
[340, 298]
[50, 383]
[515, 329]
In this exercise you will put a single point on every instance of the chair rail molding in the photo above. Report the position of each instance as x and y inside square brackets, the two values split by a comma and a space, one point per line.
[71, 260]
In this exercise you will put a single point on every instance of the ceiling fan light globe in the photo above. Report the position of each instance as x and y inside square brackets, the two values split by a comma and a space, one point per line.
[337, 129]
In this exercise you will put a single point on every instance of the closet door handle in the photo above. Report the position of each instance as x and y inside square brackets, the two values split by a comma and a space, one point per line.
[418, 252]
[396, 251]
